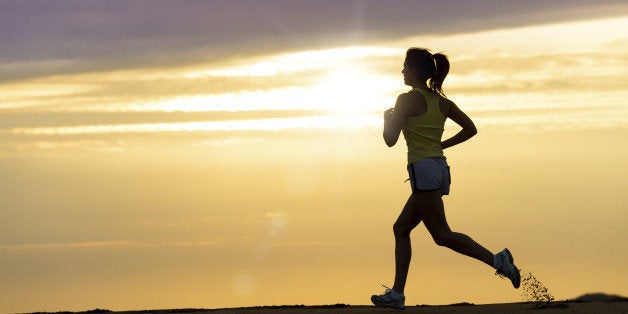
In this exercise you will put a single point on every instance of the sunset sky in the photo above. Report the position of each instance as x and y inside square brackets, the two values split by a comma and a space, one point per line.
[227, 153]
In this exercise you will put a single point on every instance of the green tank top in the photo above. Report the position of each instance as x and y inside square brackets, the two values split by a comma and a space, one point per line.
[423, 133]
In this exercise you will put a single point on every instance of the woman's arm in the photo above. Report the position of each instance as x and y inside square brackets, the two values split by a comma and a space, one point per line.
[394, 119]
[468, 128]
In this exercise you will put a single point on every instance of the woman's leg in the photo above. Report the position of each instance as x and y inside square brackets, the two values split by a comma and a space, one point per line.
[432, 212]
[407, 220]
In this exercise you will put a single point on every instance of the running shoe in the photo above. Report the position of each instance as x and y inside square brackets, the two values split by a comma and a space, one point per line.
[389, 299]
[508, 268]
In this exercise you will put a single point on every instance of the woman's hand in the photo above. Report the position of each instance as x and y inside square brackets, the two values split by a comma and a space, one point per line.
[394, 119]
[388, 114]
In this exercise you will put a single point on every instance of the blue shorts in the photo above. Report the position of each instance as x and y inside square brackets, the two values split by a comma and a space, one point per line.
[430, 174]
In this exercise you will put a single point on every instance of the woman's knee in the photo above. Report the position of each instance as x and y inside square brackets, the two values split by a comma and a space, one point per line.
[442, 238]
[401, 230]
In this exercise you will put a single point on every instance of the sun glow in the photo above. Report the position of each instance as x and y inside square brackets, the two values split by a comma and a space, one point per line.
[352, 91]
[348, 90]
[341, 83]
[294, 62]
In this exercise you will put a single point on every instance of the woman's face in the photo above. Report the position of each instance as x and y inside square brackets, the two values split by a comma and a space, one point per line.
[409, 74]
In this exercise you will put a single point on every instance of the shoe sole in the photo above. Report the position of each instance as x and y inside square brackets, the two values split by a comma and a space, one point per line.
[391, 306]
[388, 305]
[518, 277]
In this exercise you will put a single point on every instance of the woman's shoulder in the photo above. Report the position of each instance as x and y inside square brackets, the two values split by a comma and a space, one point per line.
[412, 96]
[413, 103]
[445, 105]
[410, 93]
[406, 98]
[446, 101]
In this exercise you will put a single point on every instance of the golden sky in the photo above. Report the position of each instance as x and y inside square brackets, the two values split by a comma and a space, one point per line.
[241, 172]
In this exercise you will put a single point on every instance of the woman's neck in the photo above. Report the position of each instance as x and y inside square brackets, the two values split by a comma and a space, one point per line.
[421, 85]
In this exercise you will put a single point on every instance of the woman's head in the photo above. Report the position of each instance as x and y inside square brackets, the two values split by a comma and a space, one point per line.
[420, 65]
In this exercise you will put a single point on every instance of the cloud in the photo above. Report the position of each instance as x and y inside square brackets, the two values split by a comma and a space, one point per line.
[66, 245]
[534, 68]
[51, 37]
[271, 124]
[560, 72]
[123, 244]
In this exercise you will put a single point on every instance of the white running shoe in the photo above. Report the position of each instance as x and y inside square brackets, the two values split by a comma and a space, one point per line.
[507, 268]
[389, 299]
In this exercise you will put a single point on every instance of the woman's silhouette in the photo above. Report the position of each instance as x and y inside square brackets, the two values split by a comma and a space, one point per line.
[420, 114]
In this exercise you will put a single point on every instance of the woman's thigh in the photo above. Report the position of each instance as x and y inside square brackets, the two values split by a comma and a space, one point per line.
[409, 217]
[431, 211]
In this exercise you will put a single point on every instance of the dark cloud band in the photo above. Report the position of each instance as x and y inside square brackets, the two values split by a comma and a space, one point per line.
[49, 37]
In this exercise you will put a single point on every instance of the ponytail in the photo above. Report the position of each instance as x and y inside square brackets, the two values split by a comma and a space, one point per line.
[442, 68]
[432, 67]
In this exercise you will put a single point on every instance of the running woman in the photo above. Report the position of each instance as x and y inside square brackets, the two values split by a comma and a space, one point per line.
[420, 114]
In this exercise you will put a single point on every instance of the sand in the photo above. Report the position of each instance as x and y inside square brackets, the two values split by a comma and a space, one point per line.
[615, 306]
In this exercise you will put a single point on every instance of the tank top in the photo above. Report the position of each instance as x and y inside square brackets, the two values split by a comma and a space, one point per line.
[423, 133]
